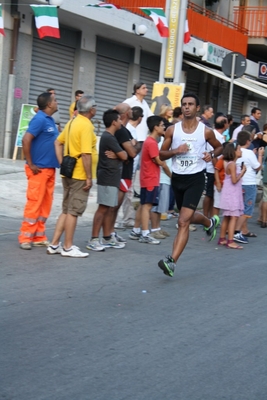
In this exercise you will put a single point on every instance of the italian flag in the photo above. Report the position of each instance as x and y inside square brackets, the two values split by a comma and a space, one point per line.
[46, 21]
[159, 18]
[187, 36]
[1, 22]
[103, 5]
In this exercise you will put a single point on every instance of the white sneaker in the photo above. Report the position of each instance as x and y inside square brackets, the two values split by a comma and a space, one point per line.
[95, 245]
[54, 250]
[73, 252]
[148, 239]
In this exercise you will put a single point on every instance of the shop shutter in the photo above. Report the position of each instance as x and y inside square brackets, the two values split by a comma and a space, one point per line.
[52, 66]
[237, 104]
[192, 86]
[149, 77]
[110, 86]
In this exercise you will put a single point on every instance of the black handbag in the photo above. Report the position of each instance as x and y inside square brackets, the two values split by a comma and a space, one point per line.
[68, 162]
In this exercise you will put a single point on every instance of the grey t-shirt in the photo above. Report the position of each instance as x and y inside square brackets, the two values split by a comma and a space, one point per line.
[108, 170]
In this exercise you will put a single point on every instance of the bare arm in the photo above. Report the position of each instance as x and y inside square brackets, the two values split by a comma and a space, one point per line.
[129, 148]
[26, 145]
[234, 177]
[211, 139]
[165, 151]
[217, 180]
[87, 165]
[59, 151]
[260, 157]
[122, 155]
[162, 164]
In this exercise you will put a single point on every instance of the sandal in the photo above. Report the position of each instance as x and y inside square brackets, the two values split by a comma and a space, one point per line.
[249, 234]
[222, 241]
[236, 247]
[264, 225]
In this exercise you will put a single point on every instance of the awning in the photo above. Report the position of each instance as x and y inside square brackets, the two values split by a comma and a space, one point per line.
[245, 83]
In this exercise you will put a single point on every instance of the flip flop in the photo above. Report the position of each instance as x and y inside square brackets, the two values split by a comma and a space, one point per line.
[249, 234]
[237, 247]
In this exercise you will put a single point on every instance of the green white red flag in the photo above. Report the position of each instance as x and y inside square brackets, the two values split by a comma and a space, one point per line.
[46, 20]
[2, 31]
[187, 36]
[103, 5]
[159, 18]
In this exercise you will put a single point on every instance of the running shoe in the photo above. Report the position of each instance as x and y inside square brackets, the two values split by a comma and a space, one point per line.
[25, 246]
[164, 233]
[41, 244]
[73, 252]
[238, 237]
[148, 240]
[134, 236]
[119, 238]
[211, 232]
[168, 266]
[157, 235]
[54, 249]
[112, 244]
[95, 245]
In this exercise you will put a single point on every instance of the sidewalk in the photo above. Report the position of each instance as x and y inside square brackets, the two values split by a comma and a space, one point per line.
[13, 185]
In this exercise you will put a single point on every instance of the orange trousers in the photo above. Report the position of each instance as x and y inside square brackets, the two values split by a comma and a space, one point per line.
[39, 203]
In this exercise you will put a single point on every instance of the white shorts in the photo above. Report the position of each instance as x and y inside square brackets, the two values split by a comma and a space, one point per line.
[216, 198]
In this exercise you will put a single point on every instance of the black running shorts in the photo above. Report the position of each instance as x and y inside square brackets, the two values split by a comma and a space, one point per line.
[188, 189]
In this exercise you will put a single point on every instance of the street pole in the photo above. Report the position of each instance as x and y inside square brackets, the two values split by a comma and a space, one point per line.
[234, 55]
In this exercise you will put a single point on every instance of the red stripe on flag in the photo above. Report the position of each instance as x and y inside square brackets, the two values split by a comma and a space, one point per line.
[163, 30]
[48, 31]
[2, 32]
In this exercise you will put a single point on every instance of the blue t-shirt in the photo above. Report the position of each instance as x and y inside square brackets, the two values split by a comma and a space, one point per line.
[45, 132]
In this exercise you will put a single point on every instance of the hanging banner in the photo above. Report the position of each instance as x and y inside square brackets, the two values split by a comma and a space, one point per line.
[26, 114]
[172, 40]
[166, 94]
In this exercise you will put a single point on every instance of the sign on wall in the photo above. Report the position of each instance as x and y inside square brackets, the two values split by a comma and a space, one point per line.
[171, 49]
[166, 94]
[262, 71]
[26, 114]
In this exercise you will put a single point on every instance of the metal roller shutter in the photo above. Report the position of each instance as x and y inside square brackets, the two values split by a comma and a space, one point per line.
[110, 86]
[237, 104]
[52, 66]
[149, 77]
[192, 86]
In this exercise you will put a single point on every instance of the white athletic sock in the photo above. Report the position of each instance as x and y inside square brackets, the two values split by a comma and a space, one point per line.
[145, 233]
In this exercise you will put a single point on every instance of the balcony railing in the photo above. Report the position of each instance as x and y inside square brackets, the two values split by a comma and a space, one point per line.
[253, 19]
[203, 24]
[215, 17]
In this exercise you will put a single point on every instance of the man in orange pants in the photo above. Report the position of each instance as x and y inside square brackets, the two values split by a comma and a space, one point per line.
[41, 161]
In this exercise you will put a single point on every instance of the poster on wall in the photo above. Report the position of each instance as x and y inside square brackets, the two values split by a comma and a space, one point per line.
[166, 94]
[26, 114]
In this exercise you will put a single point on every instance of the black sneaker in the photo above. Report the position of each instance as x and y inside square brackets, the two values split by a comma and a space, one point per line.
[168, 266]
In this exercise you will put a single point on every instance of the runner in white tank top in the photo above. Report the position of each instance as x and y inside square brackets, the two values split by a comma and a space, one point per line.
[185, 143]
[191, 162]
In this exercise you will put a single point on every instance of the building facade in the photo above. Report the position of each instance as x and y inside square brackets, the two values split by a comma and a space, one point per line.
[99, 52]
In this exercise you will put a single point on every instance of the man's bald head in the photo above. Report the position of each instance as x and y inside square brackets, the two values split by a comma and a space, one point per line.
[125, 112]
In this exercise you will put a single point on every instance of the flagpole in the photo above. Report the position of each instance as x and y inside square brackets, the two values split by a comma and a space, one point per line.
[180, 42]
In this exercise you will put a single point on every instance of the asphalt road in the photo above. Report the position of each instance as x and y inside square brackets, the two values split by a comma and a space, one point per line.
[113, 327]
